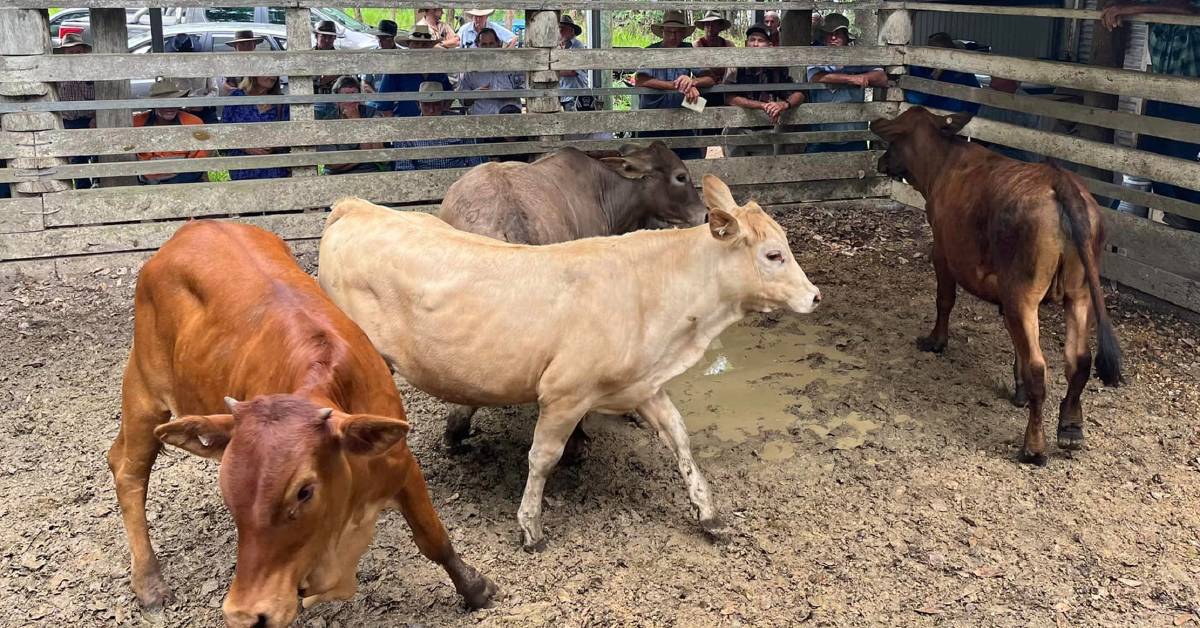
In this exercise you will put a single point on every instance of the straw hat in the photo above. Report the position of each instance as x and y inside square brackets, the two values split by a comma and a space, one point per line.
[713, 16]
[241, 36]
[72, 40]
[167, 88]
[429, 87]
[420, 33]
[674, 19]
[480, 12]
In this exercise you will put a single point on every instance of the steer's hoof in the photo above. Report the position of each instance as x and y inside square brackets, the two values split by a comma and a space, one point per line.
[714, 529]
[534, 547]
[1028, 457]
[481, 594]
[929, 344]
[1020, 398]
[1070, 437]
[153, 593]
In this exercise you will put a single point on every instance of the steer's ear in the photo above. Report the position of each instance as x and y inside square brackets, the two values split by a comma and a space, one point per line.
[204, 436]
[628, 167]
[723, 225]
[717, 194]
[368, 434]
[950, 125]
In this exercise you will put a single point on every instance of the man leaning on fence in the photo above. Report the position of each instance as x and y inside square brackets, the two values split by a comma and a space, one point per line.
[433, 109]
[499, 80]
[568, 39]
[346, 85]
[1174, 50]
[477, 20]
[168, 116]
[674, 84]
[421, 38]
[773, 104]
[845, 82]
[76, 91]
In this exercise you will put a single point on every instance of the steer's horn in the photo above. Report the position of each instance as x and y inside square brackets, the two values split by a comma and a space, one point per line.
[324, 413]
[230, 402]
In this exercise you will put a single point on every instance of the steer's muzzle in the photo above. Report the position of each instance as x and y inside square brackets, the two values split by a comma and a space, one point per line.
[273, 612]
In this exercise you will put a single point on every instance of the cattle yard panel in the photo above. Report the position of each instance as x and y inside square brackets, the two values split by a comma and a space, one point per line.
[51, 225]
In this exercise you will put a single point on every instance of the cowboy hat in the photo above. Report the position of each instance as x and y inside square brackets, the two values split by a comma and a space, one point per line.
[674, 19]
[834, 22]
[386, 28]
[943, 40]
[241, 36]
[480, 12]
[713, 16]
[72, 40]
[420, 33]
[167, 88]
[429, 87]
[567, 21]
[326, 27]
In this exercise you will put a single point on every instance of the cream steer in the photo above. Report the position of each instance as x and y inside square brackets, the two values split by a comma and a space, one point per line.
[480, 322]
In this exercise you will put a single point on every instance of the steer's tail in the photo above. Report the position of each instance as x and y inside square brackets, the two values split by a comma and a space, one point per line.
[1077, 221]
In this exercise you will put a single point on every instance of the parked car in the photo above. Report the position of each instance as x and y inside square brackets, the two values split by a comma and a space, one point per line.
[210, 37]
[352, 34]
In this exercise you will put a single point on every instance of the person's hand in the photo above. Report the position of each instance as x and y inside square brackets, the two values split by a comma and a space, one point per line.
[485, 88]
[512, 43]
[349, 109]
[691, 94]
[683, 83]
[775, 109]
[1111, 16]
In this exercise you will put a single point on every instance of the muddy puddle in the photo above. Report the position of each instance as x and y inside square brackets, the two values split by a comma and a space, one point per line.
[755, 382]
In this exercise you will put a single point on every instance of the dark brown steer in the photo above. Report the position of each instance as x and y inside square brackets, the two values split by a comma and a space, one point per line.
[307, 461]
[568, 195]
[1014, 234]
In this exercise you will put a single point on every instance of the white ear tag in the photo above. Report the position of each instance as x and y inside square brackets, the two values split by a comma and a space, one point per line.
[205, 439]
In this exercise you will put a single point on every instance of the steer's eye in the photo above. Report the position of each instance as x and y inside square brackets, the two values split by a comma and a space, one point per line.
[681, 178]
[305, 493]
[775, 256]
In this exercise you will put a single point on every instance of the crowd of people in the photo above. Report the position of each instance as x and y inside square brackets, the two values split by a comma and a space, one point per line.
[668, 88]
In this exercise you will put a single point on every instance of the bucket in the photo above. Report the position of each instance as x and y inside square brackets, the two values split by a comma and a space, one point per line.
[1126, 207]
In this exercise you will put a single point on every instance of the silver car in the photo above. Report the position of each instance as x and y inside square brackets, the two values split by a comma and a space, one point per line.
[207, 37]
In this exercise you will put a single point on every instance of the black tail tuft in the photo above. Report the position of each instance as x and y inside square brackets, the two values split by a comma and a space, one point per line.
[1074, 211]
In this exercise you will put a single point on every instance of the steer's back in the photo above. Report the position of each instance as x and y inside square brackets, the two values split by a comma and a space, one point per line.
[490, 316]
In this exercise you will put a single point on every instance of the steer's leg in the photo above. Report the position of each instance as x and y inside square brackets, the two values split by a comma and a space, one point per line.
[458, 424]
[555, 424]
[947, 292]
[661, 413]
[1078, 362]
[130, 459]
[577, 447]
[1021, 319]
[431, 538]
[1020, 395]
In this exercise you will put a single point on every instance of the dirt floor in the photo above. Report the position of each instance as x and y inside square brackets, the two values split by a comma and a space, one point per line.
[864, 483]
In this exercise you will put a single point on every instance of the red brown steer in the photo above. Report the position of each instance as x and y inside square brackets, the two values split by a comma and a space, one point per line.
[307, 462]
[1014, 234]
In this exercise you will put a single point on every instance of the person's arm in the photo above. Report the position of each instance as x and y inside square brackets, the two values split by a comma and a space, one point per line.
[1115, 13]
[747, 103]
[645, 80]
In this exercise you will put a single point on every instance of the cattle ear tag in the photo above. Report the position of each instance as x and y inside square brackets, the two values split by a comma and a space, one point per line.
[949, 120]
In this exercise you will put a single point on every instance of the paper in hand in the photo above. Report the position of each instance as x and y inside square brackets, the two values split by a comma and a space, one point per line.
[695, 106]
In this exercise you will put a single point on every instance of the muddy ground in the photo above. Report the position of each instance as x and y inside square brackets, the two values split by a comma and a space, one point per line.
[864, 483]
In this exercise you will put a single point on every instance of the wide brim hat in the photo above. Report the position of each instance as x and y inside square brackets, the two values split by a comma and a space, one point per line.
[241, 36]
[325, 27]
[386, 28]
[167, 88]
[73, 40]
[567, 21]
[714, 16]
[432, 87]
[673, 18]
[420, 34]
[834, 22]
[480, 12]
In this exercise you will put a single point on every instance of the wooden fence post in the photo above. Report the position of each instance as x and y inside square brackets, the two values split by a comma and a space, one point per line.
[299, 31]
[26, 33]
[541, 31]
[896, 29]
[111, 35]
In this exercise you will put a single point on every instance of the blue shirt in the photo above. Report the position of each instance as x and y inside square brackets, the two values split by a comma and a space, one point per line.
[468, 34]
[579, 81]
[406, 83]
[666, 99]
[942, 102]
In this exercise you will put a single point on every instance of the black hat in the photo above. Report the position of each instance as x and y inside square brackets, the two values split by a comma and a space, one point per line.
[387, 28]
[566, 20]
[758, 28]
[326, 27]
